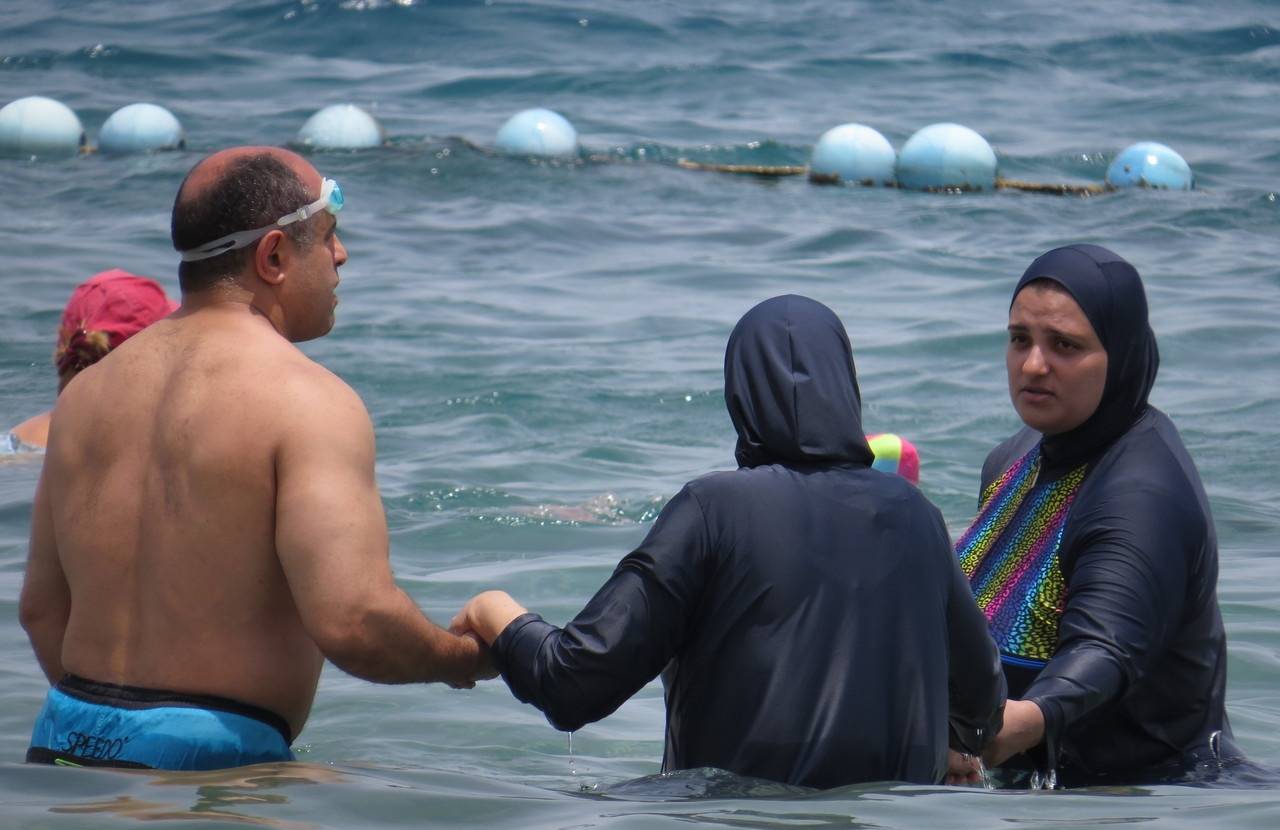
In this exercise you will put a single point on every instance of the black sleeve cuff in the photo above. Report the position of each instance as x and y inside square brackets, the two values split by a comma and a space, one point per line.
[515, 653]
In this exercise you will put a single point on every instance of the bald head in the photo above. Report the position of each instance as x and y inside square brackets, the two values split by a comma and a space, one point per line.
[234, 190]
[214, 168]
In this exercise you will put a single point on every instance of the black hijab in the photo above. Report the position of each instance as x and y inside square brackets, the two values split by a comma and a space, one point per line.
[1109, 291]
[791, 387]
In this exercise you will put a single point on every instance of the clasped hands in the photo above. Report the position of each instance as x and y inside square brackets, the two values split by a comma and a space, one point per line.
[1023, 728]
[481, 620]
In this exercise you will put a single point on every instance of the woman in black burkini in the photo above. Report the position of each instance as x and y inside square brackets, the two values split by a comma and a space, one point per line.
[806, 612]
[1093, 554]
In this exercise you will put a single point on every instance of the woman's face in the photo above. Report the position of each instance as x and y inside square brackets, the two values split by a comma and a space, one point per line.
[1057, 366]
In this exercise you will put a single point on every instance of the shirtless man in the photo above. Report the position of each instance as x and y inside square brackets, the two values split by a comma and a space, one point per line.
[207, 528]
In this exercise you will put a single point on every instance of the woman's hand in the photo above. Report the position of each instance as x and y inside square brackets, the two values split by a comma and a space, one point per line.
[1023, 729]
[486, 614]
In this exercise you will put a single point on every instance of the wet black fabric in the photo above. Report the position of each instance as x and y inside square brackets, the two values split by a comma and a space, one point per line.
[805, 611]
[1137, 682]
[791, 387]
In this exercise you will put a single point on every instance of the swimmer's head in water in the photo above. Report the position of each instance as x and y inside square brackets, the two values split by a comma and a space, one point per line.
[103, 312]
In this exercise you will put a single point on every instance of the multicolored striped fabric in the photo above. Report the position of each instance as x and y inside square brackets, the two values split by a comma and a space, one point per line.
[1010, 554]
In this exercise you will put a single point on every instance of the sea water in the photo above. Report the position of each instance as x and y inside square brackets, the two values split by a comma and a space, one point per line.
[540, 343]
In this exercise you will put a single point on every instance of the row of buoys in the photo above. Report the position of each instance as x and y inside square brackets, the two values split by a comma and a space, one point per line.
[937, 157]
[41, 126]
[954, 157]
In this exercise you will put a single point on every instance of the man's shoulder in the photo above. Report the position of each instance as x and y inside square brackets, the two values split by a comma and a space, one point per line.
[302, 375]
[310, 390]
[246, 363]
[241, 372]
[274, 368]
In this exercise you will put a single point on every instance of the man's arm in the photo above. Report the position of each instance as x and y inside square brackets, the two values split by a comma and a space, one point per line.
[331, 537]
[45, 603]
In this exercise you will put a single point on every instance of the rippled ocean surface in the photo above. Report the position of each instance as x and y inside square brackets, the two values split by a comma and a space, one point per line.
[530, 336]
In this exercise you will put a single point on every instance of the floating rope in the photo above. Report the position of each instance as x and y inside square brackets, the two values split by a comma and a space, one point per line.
[780, 170]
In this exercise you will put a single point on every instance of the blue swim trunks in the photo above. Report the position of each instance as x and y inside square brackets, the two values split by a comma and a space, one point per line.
[85, 723]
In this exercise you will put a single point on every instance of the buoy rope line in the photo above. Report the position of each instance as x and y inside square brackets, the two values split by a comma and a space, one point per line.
[783, 170]
[940, 158]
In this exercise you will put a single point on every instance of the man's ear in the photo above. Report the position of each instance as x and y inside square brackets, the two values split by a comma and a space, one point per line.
[269, 257]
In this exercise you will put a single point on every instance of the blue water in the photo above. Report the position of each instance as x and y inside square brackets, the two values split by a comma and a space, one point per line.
[530, 336]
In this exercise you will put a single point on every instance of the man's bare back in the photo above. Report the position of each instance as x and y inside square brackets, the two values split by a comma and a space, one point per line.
[166, 518]
[208, 522]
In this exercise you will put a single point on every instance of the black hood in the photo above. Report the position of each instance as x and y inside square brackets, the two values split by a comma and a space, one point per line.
[791, 387]
[1109, 291]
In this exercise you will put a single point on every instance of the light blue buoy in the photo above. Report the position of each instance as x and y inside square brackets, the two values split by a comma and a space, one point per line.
[1148, 164]
[853, 153]
[140, 128]
[537, 132]
[341, 127]
[40, 126]
[947, 156]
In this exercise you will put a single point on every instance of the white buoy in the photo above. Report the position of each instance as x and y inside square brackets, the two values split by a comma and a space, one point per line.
[341, 127]
[40, 126]
[1148, 164]
[537, 132]
[947, 156]
[853, 153]
[140, 128]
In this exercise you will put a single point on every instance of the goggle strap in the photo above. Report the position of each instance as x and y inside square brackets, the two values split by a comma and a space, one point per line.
[241, 239]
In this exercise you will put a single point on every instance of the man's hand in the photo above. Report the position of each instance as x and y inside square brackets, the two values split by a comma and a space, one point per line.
[1023, 729]
[963, 769]
[483, 670]
[486, 614]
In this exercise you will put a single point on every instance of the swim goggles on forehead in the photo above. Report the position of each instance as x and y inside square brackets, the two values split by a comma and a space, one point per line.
[330, 200]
